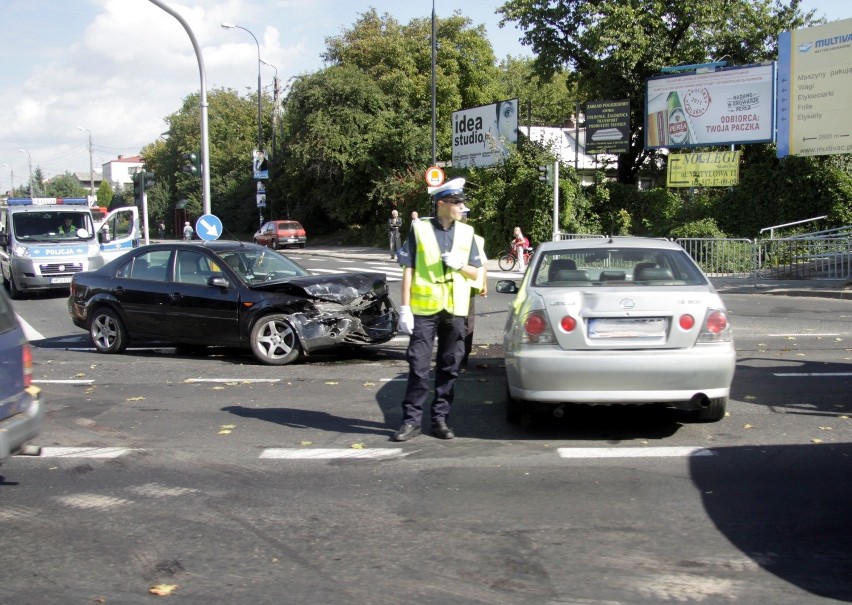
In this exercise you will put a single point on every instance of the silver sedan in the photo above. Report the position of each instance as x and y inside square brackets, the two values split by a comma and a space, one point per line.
[614, 321]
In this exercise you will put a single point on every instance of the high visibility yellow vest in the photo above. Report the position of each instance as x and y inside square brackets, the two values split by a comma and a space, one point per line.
[478, 284]
[435, 288]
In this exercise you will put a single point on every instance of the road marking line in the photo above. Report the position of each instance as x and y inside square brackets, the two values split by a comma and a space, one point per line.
[806, 334]
[399, 379]
[633, 452]
[82, 452]
[30, 332]
[87, 381]
[241, 380]
[810, 374]
[328, 453]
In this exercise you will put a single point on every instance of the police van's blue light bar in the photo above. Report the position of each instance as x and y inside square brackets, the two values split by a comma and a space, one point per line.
[47, 201]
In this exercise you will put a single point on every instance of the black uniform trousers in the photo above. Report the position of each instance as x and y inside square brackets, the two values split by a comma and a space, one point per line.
[450, 330]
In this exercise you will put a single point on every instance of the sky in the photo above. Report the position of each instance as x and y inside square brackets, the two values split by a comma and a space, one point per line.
[117, 68]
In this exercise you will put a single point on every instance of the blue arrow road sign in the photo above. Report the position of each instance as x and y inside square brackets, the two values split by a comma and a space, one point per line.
[208, 227]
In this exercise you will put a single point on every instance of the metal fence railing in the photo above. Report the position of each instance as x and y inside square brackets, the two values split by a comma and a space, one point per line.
[814, 256]
[819, 255]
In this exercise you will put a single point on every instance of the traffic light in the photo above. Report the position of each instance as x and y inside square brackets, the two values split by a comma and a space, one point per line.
[147, 180]
[191, 164]
[546, 174]
[138, 187]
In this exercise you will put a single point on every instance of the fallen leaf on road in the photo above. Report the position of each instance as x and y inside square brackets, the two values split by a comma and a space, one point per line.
[163, 590]
[816, 440]
[135, 399]
[79, 375]
[228, 426]
[225, 432]
[749, 397]
[357, 446]
[825, 428]
[789, 338]
[331, 382]
[217, 389]
[369, 384]
[747, 426]
[306, 443]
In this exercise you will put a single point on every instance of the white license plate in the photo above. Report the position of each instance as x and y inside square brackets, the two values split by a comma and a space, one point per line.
[60, 280]
[646, 327]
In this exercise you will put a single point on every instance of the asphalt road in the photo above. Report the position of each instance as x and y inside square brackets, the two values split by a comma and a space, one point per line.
[240, 483]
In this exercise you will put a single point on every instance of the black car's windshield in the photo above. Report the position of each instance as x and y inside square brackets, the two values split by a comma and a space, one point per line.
[50, 225]
[583, 267]
[257, 266]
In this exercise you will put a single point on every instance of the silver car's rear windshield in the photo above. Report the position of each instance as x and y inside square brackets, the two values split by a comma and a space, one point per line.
[639, 267]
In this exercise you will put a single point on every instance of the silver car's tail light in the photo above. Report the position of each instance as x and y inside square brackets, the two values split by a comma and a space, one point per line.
[537, 329]
[716, 327]
[28, 365]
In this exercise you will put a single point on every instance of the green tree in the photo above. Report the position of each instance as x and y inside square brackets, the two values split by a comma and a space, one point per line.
[232, 137]
[65, 185]
[104, 193]
[543, 101]
[357, 134]
[613, 46]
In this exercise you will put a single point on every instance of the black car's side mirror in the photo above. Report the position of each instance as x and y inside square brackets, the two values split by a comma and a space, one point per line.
[4, 239]
[506, 286]
[218, 281]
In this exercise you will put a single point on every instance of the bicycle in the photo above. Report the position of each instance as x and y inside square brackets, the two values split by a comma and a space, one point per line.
[508, 260]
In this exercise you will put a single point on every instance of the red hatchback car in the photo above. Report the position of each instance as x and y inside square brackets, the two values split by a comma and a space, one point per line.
[280, 234]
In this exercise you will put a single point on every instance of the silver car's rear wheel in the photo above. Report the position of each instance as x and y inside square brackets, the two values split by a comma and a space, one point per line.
[274, 341]
[107, 331]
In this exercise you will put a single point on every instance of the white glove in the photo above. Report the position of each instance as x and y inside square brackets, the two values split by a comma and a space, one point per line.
[452, 261]
[406, 320]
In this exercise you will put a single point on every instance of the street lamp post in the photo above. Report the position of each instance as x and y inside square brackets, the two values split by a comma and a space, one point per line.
[91, 163]
[30, 161]
[274, 123]
[259, 114]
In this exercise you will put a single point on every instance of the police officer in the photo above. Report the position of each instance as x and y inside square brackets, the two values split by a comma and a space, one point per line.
[439, 258]
[68, 227]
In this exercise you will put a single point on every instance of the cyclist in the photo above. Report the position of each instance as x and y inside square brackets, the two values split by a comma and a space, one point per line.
[520, 245]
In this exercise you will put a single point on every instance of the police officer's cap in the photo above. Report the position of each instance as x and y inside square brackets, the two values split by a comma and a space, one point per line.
[454, 188]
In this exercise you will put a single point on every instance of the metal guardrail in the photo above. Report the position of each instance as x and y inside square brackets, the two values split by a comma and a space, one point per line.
[819, 255]
[824, 255]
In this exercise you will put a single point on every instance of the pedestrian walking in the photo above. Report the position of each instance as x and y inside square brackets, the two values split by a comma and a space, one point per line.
[161, 230]
[394, 225]
[439, 258]
[187, 231]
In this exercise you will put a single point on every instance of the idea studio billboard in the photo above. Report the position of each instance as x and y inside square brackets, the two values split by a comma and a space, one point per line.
[481, 135]
[725, 107]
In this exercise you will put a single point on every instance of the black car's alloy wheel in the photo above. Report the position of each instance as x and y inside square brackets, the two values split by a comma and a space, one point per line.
[107, 331]
[273, 340]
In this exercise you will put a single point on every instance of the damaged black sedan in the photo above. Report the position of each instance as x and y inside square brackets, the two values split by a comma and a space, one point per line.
[231, 294]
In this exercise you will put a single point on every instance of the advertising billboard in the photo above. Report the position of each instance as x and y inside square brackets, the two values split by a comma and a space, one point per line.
[814, 88]
[608, 126]
[704, 169]
[482, 135]
[725, 107]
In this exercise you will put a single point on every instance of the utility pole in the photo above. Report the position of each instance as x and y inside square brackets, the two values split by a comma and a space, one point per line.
[91, 163]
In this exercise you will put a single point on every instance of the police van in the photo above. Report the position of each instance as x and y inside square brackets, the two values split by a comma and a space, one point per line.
[44, 241]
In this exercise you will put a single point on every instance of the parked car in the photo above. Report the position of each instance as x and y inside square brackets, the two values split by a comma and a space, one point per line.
[226, 293]
[21, 404]
[616, 321]
[280, 234]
